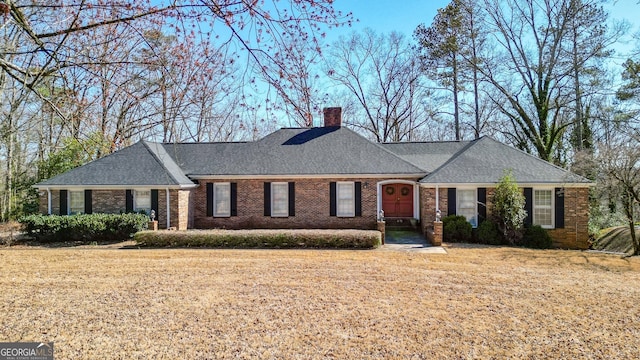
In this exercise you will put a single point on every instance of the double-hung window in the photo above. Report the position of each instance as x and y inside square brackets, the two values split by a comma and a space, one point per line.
[142, 201]
[345, 200]
[76, 202]
[543, 208]
[279, 199]
[467, 205]
[222, 199]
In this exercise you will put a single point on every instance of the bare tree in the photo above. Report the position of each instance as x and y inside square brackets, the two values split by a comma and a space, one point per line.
[535, 74]
[620, 167]
[383, 75]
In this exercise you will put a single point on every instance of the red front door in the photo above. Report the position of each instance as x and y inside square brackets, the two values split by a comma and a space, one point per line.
[397, 200]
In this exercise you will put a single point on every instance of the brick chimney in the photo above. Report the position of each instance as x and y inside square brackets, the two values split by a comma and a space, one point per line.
[332, 116]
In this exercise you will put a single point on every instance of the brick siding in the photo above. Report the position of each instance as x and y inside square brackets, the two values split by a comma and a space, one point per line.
[109, 201]
[574, 235]
[311, 207]
[114, 202]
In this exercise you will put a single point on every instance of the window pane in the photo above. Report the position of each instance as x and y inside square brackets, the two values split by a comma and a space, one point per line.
[142, 201]
[542, 216]
[543, 198]
[76, 202]
[345, 200]
[279, 199]
[222, 199]
[542, 208]
[467, 205]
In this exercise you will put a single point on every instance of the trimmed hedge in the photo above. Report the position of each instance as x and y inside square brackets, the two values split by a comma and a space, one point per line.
[83, 227]
[269, 239]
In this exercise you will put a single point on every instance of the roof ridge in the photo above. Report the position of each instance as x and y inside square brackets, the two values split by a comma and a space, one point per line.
[202, 142]
[426, 142]
[379, 145]
[454, 156]
[157, 157]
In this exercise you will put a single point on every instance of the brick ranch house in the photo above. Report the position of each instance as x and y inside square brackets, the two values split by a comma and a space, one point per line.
[320, 177]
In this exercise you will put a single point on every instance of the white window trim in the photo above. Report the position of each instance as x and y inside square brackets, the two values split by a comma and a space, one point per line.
[352, 212]
[217, 212]
[284, 213]
[475, 197]
[135, 201]
[69, 201]
[553, 207]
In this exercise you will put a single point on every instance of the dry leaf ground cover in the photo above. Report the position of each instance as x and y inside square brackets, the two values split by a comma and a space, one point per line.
[475, 302]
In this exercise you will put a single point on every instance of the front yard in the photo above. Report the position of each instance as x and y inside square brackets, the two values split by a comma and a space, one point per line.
[475, 302]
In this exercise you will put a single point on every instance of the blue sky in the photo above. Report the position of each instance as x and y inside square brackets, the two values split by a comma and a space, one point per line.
[405, 15]
[385, 15]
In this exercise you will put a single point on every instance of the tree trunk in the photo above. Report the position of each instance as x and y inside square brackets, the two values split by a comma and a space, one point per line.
[628, 204]
[456, 112]
[634, 238]
[576, 74]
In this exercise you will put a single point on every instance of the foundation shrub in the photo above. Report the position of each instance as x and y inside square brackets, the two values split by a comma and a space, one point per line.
[456, 228]
[536, 237]
[489, 233]
[83, 227]
[267, 239]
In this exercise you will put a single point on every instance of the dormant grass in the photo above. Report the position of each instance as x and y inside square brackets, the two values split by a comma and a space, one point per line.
[474, 302]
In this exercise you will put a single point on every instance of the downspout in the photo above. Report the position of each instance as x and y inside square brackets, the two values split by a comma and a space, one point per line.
[168, 209]
[48, 201]
[416, 201]
[437, 198]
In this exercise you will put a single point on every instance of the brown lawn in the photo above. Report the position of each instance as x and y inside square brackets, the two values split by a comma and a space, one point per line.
[475, 302]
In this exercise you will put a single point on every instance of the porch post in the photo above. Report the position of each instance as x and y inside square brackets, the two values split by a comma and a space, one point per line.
[437, 197]
[168, 209]
[48, 201]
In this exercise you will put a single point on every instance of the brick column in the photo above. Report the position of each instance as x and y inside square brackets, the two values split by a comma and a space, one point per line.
[381, 228]
[153, 225]
[437, 233]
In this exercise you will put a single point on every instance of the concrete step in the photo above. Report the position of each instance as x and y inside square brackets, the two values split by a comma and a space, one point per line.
[402, 224]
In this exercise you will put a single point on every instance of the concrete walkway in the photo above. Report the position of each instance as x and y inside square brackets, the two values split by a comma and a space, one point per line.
[409, 241]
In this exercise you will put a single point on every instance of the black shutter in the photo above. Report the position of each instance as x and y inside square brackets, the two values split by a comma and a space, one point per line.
[559, 207]
[209, 199]
[358, 198]
[234, 199]
[292, 198]
[528, 205]
[267, 199]
[154, 203]
[129, 201]
[64, 209]
[451, 201]
[332, 198]
[482, 205]
[88, 203]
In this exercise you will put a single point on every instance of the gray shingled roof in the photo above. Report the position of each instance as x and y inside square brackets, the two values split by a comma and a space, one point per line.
[298, 151]
[427, 155]
[312, 151]
[142, 163]
[484, 161]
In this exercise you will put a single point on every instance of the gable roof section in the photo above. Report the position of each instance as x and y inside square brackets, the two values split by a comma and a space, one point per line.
[292, 151]
[312, 152]
[426, 155]
[484, 160]
[141, 164]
